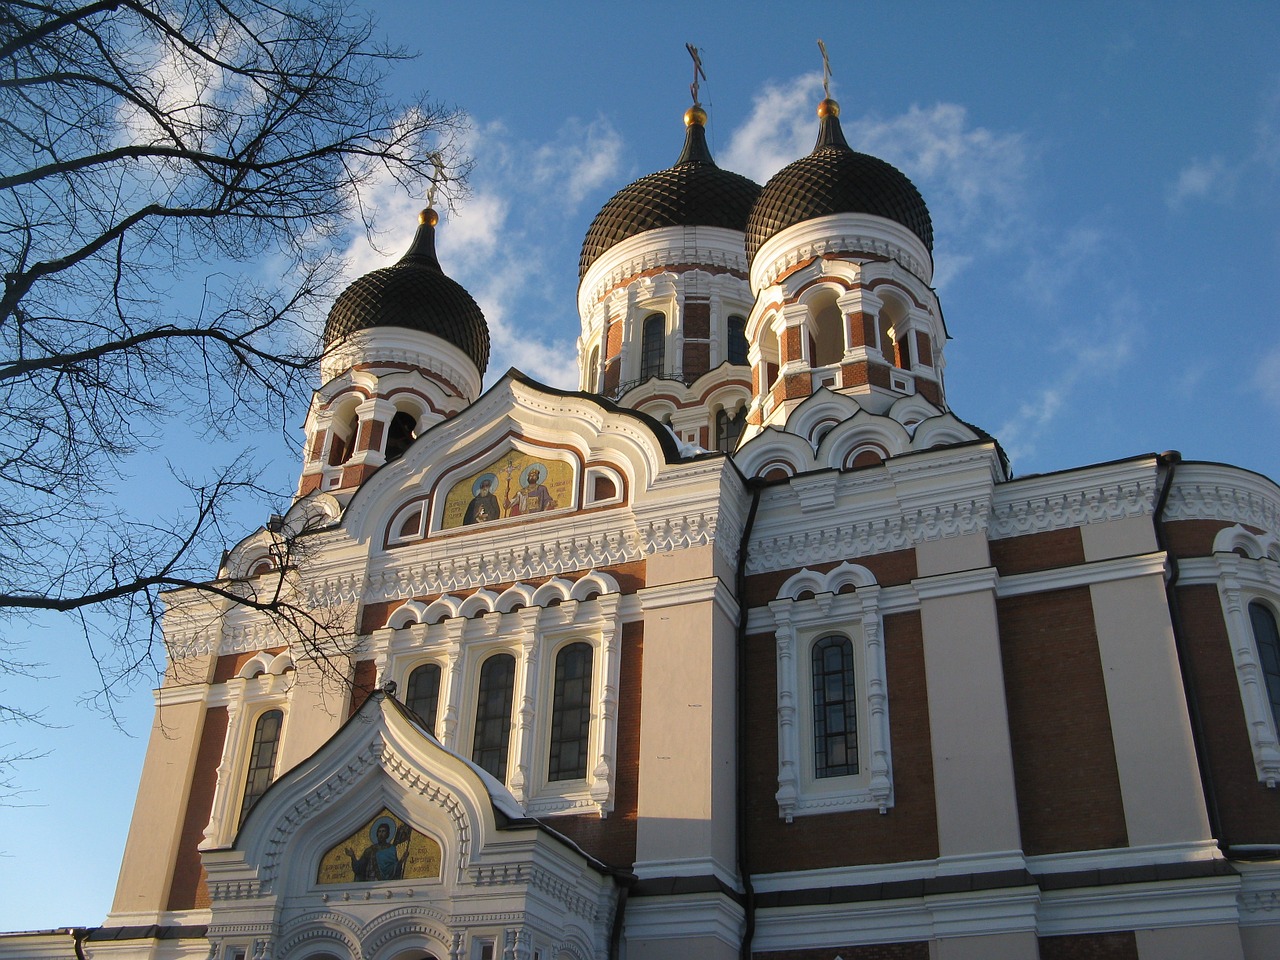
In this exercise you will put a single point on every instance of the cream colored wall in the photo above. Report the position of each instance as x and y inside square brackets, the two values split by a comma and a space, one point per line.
[685, 948]
[1155, 755]
[317, 708]
[686, 806]
[156, 828]
[1001, 946]
[1219, 941]
[968, 722]
[1260, 943]
[1127, 537]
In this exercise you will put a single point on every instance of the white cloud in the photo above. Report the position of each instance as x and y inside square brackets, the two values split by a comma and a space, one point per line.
[582, 158]
[1266, 376]
[1094, 354]
[781, 128]
[495, 243]
[1199, 178]
[973, 179]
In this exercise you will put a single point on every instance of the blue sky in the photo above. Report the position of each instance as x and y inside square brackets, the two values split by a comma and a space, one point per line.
[1104, 181]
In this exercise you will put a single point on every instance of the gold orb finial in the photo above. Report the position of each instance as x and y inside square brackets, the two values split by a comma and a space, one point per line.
[428, 217]
[828, 108]
[695, 115]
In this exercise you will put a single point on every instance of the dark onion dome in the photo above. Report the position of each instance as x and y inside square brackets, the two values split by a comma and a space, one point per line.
[836, 179]
[415, 294]
[693, 193]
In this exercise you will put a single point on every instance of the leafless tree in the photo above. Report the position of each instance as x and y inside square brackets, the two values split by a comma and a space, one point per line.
[173, 178]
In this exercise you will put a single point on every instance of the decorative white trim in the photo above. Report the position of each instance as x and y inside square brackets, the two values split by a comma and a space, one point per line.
[1211, 491]
[659, 919]
[260, 686]
[798, 623]
[1242, 581]
[1094, 494]
[531, 623]
[840, 233]
[1082, 575]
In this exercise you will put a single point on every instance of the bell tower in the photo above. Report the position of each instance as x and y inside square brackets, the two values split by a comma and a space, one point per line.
[841, 251]
[405, 347]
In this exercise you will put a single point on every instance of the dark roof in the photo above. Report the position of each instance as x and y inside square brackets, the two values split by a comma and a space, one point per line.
[413, 293]
[695, 192]
[836, 179]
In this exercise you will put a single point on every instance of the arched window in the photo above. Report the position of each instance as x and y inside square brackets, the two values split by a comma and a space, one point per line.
[423, 696]
[737, 340]
[570, 714]
[493, 715]
[729, 429]
[653, 346]
[593, 370]
[262, 759]
[1267, 639]
[826, 341]
[835, 714]
[400, 433]
[342, 440]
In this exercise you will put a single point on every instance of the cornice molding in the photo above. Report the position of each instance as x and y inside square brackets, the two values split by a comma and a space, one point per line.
[1210, 491]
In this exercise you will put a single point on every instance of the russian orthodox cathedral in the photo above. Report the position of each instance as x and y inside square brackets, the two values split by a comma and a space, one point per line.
[748, 647]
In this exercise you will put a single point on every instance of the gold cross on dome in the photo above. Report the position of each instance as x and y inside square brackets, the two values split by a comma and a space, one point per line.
[826, 71]
[697, 71]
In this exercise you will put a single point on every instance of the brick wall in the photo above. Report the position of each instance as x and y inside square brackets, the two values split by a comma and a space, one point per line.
[613, 839]
[1038, 551]
[867, 951]
[1063, 755]
[187, 890]
[1090, 946]
[908, 831]
[1249, 810]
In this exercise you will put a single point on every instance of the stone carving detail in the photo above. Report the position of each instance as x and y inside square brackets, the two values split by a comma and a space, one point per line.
[1073, 508]
[333, 788]
[1221, 501]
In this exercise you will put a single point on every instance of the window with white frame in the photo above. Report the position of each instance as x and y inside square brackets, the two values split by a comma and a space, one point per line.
[491, 738]
[256, 700]
[527, 685]
[1267, 640]
[262, 759]
[833, 718]
[570, 713]
[1248, 579]
[422, 695]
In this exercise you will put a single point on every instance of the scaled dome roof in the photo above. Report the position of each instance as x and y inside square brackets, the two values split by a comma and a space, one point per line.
[694, 192]
[836, 179]
[413, 293]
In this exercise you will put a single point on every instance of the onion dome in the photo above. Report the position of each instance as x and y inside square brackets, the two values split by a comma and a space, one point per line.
[836, 179]
[413, 293]
[695, 192]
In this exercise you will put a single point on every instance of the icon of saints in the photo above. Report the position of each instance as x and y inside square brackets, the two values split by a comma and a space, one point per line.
[484, 504]
[381, 859]
[532, 497]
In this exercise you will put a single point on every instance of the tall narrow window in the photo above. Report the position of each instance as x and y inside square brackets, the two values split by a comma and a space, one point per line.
[423, 696]
[737, 340]
[1267, 639]
[571, 714]
[593, 370]
[493, 715]
[653, 346]
[262, 759]
[835, 714]
[729, 429]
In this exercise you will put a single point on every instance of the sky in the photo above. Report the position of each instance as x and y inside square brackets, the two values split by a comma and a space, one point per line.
[1104, 182]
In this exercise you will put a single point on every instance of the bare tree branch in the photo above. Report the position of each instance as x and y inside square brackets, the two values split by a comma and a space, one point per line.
[155, 157]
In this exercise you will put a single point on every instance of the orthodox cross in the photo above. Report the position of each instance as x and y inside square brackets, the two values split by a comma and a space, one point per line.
[697, 71]
[826, 71]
